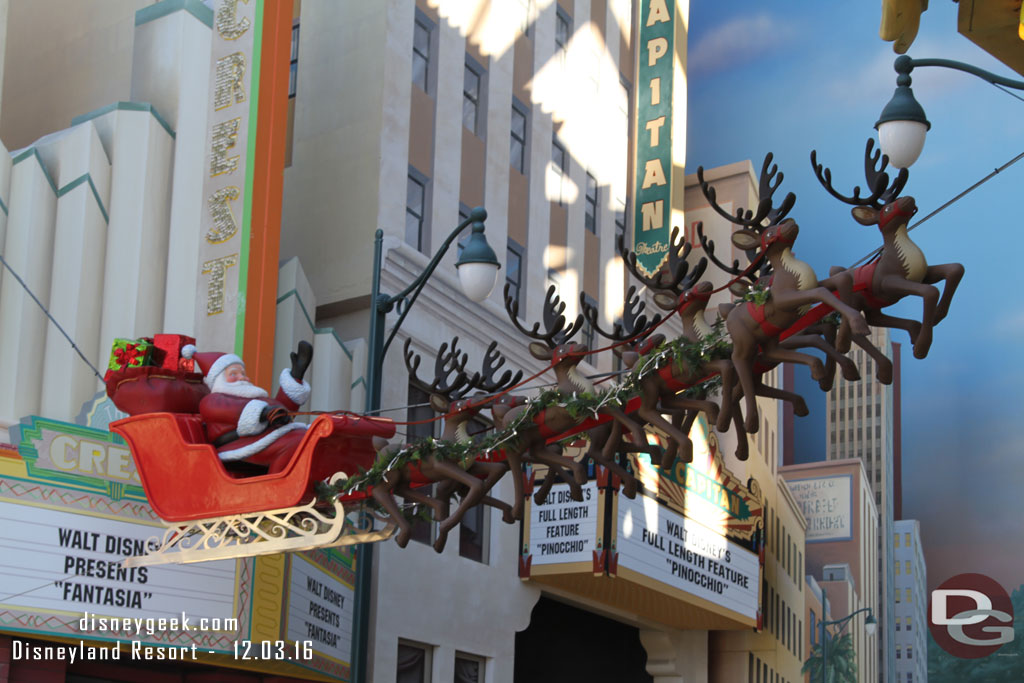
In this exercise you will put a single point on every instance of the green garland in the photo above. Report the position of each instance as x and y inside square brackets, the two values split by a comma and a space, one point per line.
[580, 406]
[757, 294]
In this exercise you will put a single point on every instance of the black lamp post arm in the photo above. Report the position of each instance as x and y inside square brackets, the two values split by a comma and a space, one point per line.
[906, 64]
[408, 296]
[847, 618]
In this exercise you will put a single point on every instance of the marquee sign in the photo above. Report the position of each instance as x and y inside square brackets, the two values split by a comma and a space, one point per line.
[659, 137]
[72, 509]
[692, 534]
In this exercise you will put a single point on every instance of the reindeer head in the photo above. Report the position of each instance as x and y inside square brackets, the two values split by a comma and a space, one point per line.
[501, 406]
[883, 207]
[753, 237]
[695, 297]
[889, 218]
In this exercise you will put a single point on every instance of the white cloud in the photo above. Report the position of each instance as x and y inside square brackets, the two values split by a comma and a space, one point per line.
[738, 41]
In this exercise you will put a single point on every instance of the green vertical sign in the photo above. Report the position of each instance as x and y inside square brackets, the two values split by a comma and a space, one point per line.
[653, 190]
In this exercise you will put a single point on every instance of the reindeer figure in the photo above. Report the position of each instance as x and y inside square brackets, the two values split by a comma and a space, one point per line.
[900, 269]
[564, 355]
[447, 396]
[755, 329]
[530, 445]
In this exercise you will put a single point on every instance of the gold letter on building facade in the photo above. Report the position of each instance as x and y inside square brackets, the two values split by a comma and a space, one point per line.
[228, 26]
[224, 225]
[659, 13]
[653, 174]
[653, 213]
[217, 268]
[224, 135]
[229, 83]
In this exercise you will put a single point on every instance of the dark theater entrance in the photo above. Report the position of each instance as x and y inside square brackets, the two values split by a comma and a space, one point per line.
[564, 644]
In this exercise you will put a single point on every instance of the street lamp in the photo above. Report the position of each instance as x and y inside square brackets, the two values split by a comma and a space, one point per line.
[870, 624]
[902, 124]
[478, 272]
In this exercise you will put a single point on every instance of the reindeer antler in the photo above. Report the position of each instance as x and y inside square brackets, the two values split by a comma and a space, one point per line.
[633, 322]
[675, 276]
[767, 215]
[874, 173]
[770, 180]
[493, 360]
[446, 363]
[555, 332]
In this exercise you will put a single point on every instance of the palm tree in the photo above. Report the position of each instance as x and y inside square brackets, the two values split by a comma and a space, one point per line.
[842, 661]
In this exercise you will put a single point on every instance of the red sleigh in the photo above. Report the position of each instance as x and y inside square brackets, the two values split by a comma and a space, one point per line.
[211, 514]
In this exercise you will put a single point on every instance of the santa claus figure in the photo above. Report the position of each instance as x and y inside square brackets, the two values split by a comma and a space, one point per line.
[242, 422]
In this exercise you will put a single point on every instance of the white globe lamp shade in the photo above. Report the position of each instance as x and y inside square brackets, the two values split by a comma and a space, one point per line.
[870, 624]
[902, 141]
[478, 279]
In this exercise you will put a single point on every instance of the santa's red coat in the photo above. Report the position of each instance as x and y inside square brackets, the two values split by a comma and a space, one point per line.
[257, 442]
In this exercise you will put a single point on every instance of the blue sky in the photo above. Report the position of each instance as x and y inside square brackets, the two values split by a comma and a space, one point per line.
[791, 77]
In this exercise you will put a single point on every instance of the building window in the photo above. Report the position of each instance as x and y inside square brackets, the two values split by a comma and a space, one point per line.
[561, 165]
[910, 651]
[897, 567]
[413, 664]
[812, 633]
[897, 595]
[910, 677]
[293, 68]
[471, 82]
[896, 540]
[514, 271]
[421, 53]
[468, 669]
[415, 210]
[908, 624]
[590, 220]
[620, 222]
[563, 29]
[517, 156]
[473, 534]
[897, 624]
[588, 327]
[899, 652]
[909, 599]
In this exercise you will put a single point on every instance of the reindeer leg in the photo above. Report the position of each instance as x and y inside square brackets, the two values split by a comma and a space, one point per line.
[952, 274]
[850, 371]
[744, 348]
[383, 495]
[742, 446]
[879, 319]
[514, 458]
[883, 373]
[558, 465]
[683, 449]
[841, 281]
[727, 372]
[605, 456]
[892, 284]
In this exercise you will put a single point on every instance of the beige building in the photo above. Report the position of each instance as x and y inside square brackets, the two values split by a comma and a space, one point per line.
[841, 544]
[911, 603]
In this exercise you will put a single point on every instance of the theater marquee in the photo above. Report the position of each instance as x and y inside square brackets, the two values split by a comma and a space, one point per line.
[684, 552]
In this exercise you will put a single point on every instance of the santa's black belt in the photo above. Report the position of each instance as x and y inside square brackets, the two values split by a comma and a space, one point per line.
[225, 438]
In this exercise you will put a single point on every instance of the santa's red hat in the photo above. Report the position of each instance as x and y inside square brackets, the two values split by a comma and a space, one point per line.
[212, 363]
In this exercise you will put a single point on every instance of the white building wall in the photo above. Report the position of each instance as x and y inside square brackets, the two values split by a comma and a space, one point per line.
[101, 221]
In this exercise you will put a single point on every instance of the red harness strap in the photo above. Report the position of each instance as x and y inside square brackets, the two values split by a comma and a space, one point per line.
[862, 278]
[757, 313]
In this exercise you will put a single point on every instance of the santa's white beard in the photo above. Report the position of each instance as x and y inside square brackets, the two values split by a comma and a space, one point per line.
[239, 388]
